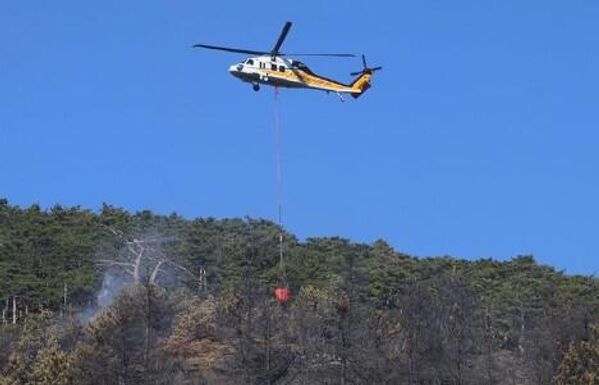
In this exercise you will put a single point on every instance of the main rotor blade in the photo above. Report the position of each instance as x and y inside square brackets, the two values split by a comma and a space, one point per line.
[238, 50]
[282, 36]
[319, 54]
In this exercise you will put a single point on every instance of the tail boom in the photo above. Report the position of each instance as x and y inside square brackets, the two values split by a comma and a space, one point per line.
[361, 84]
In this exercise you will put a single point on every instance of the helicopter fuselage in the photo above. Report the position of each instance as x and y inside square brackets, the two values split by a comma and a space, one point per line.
[283, 72]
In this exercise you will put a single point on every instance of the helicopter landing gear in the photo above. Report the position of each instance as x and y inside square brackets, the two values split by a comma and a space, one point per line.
[256, 87]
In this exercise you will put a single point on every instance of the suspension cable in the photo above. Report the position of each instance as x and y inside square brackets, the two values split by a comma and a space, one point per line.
[279, 162]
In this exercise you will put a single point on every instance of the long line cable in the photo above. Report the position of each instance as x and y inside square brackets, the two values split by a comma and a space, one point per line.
[279, 162]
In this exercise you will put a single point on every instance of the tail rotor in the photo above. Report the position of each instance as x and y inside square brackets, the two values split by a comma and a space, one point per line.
[366, 69]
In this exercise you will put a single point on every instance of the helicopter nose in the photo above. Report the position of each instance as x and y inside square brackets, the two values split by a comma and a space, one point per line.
[236, 68]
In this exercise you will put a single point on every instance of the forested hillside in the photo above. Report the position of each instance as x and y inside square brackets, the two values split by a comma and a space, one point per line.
[112, 297]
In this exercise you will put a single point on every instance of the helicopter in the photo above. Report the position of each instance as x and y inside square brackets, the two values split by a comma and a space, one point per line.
[277, 69]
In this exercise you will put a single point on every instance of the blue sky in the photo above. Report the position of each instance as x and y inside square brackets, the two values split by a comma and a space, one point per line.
[478, 139]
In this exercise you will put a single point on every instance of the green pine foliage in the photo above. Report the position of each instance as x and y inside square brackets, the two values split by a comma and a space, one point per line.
[360, 313]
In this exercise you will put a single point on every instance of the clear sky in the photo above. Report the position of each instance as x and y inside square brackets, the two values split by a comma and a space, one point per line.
[479, 137]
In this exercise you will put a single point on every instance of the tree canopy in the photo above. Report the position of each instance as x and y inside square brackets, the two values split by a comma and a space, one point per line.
[200, 308]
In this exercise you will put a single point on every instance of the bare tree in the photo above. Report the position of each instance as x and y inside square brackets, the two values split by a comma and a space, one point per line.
[139, 253]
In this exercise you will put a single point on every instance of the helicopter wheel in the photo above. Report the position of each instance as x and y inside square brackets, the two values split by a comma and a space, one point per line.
[256, 87]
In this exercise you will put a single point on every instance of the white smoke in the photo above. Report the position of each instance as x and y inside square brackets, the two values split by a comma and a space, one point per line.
[113, 284]
[140, 260]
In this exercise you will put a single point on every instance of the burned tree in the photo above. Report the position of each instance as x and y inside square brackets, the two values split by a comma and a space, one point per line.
[142, 258]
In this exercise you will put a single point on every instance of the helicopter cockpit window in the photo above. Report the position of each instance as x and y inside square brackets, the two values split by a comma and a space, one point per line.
[282, 68]
[299, 65]
[249, 62]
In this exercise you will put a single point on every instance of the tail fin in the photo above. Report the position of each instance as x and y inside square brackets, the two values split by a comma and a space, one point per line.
[361, 83]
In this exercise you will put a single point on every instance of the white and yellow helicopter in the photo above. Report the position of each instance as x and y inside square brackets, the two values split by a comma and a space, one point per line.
[276, 69]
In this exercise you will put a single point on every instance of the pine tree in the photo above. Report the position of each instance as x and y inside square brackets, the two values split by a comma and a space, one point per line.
[52, 366]
[580, 365]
